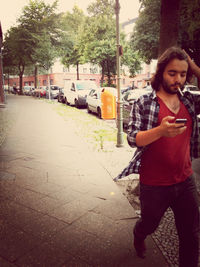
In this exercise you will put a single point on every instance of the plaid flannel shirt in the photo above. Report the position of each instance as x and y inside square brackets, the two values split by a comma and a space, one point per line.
[144, 116]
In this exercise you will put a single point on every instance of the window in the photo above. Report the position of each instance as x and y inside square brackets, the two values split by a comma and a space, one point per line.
[92, 92]
[66, 69]
[93, 70]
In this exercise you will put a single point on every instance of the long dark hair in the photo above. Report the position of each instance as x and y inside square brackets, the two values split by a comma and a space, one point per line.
[164, 59]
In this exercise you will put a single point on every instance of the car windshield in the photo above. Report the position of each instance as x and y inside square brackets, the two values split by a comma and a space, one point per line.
[85, 86]
[135, 94]
[54, 88]
[193, 88]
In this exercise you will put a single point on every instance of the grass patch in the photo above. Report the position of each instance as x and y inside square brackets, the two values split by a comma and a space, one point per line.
[98, 134]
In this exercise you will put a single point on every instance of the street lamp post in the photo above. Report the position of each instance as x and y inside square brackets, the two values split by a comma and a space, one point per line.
[119, 101]
[49, 84]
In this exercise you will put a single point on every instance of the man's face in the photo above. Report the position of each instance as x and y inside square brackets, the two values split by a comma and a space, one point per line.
[174, 76]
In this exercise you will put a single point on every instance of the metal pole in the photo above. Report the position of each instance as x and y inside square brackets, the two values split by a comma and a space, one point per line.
[49, 84]
[119, 101]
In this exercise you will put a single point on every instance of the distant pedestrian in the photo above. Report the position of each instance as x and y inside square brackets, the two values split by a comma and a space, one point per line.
[164, 152]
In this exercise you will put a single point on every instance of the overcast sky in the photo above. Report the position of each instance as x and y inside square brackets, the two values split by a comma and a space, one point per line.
[11, 9]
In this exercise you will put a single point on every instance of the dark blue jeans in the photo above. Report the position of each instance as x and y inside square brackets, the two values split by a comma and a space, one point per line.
[183, 200]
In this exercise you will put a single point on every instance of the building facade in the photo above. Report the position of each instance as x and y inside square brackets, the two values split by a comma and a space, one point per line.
[60, 73]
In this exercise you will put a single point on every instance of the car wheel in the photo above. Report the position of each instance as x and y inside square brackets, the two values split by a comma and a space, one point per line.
[125, 126]
[99, 112]
[66, 102]
[76, 103]
[89, 111]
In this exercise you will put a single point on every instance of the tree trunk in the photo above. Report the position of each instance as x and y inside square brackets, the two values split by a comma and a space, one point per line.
[8, 79]
[102, 73]
[21, 73]
[169, 25]
[77, 70]
[197, 61]
[108, 71]
[36, 76]
[2, 97]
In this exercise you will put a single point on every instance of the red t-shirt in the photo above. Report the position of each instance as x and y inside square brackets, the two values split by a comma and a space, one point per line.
[167, 160]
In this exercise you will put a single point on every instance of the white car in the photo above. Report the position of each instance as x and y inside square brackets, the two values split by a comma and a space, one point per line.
[75, 92]
[192, 89]
[128, 99]
[55, 89]
[94, 103]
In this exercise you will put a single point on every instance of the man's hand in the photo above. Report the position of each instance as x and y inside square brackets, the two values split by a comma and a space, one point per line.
[171, 129]
[194, 68]
[167, 128]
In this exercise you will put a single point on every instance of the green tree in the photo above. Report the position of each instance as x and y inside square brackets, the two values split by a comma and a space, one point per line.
[71, 22]
[97, 38]
[17, 47]
[97, 41]
[145, 37]
[146, 34]
[190, 28]
[9, 67]
[39, 18]
[131, 59]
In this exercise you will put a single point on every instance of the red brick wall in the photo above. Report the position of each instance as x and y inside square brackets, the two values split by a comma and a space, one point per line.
[58, 79]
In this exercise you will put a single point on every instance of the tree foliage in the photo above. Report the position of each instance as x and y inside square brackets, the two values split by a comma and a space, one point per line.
[190, 28]
[16, 50]
[42, 35]
[97, 41]
[69, 51]
[145, 38]
[131, 59]
[42, 23]
[146, 34]
[34, 40]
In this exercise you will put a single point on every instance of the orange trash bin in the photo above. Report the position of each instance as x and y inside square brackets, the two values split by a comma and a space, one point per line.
[108, 108]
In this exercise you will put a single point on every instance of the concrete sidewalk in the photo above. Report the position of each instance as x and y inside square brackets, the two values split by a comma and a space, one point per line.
[58, 205]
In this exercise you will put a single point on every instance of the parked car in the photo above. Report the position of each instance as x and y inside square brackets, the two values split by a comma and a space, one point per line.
[126, 89]
[32, 93]
[192, 89]
[15, 90]
[54, 91]
[75, 92]
[40, 92]
[148, 88]
[128, 100]
[93, 100]
[60, 97]
[27, 90]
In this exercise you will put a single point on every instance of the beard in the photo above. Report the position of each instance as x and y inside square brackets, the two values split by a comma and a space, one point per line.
[167, 87]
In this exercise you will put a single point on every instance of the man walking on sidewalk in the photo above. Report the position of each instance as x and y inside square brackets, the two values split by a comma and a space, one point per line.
[165, 146]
